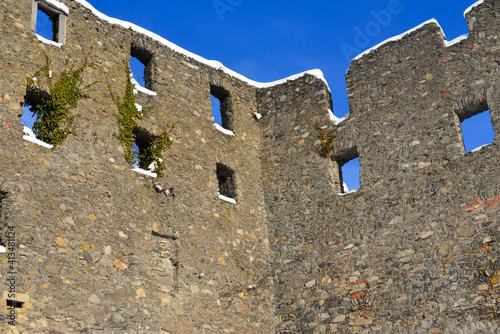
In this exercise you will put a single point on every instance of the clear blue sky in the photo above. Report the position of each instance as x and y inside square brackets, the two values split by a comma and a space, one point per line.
[267, 41]
[270, 40]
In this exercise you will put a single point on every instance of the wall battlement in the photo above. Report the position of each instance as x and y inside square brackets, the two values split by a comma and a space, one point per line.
[97, 248]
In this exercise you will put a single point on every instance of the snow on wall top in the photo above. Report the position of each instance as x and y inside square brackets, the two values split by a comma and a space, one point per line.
[472, 6]
[59, 5]
[212, 63]
[396, 38]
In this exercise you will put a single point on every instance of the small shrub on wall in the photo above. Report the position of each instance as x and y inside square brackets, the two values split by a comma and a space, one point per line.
[51, 106]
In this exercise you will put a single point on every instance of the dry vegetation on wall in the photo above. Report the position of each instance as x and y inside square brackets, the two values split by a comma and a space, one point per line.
[326, 139]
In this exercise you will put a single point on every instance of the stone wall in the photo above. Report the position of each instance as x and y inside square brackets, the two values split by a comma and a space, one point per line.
[87, 257]
[98, 249]
[414, 250]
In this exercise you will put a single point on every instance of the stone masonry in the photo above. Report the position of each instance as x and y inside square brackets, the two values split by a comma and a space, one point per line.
[98, 250]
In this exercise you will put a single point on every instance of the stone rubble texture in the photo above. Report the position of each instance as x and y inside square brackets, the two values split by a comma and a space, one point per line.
[413, 251]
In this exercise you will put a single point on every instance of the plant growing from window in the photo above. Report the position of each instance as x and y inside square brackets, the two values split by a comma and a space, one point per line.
[150, 146]
[52, 108]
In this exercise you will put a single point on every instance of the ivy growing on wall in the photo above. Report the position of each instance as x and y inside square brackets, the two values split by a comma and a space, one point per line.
[53, 121]
[150, 146]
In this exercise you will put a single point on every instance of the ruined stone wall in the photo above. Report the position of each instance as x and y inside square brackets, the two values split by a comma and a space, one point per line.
[97, 249]
[414, 250]
[84, 220]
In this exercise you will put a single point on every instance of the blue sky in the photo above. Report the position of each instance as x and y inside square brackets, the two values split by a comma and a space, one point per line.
[267, 41]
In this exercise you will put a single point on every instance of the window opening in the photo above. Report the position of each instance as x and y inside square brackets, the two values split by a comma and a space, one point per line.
[28, 117]
[135, 155]
[222, 110]
[140, 66]
[349, 170]
[349, 175]
[477, 131]
[45, 25]
[140, 156]
[226, 181]
[48, 20]
[216, 114]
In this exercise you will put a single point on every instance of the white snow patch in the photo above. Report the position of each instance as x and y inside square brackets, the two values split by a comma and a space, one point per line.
[346, 189]
[138, 106]
[257, 115]
[335, 119]
[141, 89]
[212, 63]
[194, 67]
[456, 40]
[227, 199]
[396, 38]
[59, 5]
[3, 249]
[480, 147]
[472, 6]
[30, 136]
[145, 172]
[225, 131]
[350, 192]
[47, 41]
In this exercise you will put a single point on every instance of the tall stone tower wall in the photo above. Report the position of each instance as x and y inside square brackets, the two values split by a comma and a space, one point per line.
[415, 248]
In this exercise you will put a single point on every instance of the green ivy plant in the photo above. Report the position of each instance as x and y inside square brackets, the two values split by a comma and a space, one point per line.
[53, 122]
[127, 117]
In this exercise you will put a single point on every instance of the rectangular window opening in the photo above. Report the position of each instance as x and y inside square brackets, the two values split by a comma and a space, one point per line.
[349, 170]
[226, 181]
[31, 118]
[48, 20]
[45, 25]
[477, 131]
[140, 66]
[222, 109]
[140, 147]
[28, 117]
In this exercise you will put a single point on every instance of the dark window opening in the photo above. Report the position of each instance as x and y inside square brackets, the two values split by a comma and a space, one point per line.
[222, 107]
[140, 149]
[476, 125]
[226, 180]
[48, 22]
[14, 303]
[30, 116]
[349, 170]
[140, 66]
